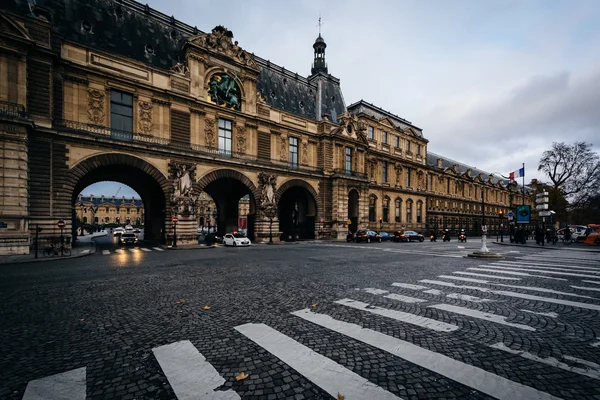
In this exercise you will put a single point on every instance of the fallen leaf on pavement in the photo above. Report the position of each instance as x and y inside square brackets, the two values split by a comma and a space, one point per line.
[206, 308]
[241, 376]
[314, 305]
[340, 397]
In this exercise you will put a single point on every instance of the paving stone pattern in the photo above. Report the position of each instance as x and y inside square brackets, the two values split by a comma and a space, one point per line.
[107, 314]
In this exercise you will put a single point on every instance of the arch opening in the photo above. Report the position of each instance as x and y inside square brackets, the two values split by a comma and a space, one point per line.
[297, 211]
[353, 210]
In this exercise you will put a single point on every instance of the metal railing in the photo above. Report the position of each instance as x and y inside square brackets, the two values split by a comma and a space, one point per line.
[345, 172]
[8, 109]
[170, 144]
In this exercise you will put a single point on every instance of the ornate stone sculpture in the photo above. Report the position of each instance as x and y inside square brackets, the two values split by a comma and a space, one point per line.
[372, 162]
[283, 150]
[267, 184]
[180, 69]
[96, 107]
[398, 168]
[221, 41]
[224, 90]
[183, 202]
[241, 139]
[304, 153]
[209, 132]
[145, 117]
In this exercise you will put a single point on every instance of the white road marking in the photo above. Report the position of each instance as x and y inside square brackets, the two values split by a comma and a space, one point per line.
[589, 372]
[189, 374]
[596, 282]
[510, 278]
[322, 371]
[596, 344]
[145, 249]
[515, 294]
[68, 385]
[460, 278]
[544, 314]
[498, 319]
[593, 289]
[514, 273]
[120, 251]
[535, 268]
[539, 289]
[405, 299]
[399, 316]
[433, 291]
[84, 251]
[409, 286]
[375, 291]
[540, 271]
[553, 265]
[105, 252]
[466, 297]
[134, 249]
[469, 375]
[158, 249]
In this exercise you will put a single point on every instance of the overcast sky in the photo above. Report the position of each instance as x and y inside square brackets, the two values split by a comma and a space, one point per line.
[491, 83]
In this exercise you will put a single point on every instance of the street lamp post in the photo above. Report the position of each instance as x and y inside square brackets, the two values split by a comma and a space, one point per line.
[207, 236]
[484, 248]
[500, 216]
[380, 224]
[175, 220]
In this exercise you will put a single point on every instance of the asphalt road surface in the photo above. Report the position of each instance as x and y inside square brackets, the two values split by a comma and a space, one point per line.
[303, 321]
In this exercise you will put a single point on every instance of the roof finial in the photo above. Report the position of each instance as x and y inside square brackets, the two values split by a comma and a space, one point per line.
[320, 23]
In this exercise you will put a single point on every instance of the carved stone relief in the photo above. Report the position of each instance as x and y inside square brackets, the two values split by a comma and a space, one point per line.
[180, 69]
[267, 184]
[209, 132]
[241, 139]
[145, 117]
[398, 168]
[96, 107]
[221, 41]
[183, 201]
[283, 151]
[304, 153]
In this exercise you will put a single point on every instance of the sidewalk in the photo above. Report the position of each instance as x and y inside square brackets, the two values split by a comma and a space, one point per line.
[84, 246]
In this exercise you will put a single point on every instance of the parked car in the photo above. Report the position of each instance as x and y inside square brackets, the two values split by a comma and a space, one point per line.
[235, 239]
[118, 231]
[128, 238]
[385, 237]
[367, 236]
[408, 236]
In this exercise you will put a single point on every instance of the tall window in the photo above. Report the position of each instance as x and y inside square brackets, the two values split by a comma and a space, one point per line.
[409, 204]
[225, 137]
[386, 209]
[408, 146]
[396, 141]
[398, 210]
[384, 171]
[407, 177]
[448, 184]
[419, 211]
[372, 201]
[418, 149]
[121, 111]
[429, 182]
[384, 138]
[371, 133]
[348, 160]
[293, 152]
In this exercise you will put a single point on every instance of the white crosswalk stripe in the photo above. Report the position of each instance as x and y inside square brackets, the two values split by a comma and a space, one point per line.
[120, 251]
[556, 266]
[476, 378]
[510, 278]
[497, 271]
[145, 249]
[189, 374]
[497, 319]
[158, 249]
[70, 385]
[84, 251]
[322, 371]
[105, 252]
[537, 271]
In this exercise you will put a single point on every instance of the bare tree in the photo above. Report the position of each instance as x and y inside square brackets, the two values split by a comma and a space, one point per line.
[572, 169]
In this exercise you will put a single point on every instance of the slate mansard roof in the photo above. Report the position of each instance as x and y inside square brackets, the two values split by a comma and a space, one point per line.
[127, 28]
[432, 161]
[100, 201]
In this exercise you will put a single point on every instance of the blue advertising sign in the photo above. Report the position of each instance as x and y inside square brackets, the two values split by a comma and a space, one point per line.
[523, 214]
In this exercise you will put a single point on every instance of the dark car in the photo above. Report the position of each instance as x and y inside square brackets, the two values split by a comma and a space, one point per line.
[408, 236]
[385, 237]
[367, 236]
[128, 238]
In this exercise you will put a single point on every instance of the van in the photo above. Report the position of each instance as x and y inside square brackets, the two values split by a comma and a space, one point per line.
[578, 232]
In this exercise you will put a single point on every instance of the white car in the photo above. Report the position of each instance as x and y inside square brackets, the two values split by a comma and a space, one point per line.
[118, 231]
[235, 239]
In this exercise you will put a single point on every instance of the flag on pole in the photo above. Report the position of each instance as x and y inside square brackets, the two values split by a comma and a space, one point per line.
[517, 174]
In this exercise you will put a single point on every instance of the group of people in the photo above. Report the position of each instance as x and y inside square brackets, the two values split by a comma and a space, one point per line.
[550, 235]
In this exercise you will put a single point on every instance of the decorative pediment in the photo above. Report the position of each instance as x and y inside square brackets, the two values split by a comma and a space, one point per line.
[220, 40]
[453, 169]
[350, 127]
[10, 27]
[387, 122]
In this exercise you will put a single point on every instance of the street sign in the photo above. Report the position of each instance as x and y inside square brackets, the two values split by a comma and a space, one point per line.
[510, 214]
[61, 223]
[349, 222]
[175, 220]
[545, 213]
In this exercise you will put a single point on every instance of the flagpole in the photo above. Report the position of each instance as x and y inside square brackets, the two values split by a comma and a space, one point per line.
[523, 183]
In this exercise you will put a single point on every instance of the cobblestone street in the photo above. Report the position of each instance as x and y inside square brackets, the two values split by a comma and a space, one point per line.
[304, 321]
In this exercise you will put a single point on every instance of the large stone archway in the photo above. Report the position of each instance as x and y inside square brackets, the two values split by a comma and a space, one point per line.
[227, 187]
[297, 209]
[147, 180]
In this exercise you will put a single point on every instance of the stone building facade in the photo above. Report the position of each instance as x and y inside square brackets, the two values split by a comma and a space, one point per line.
[175, 112]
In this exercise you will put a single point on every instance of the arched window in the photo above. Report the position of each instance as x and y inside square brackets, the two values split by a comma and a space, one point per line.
[409, 204]
[398, 211]
[386, 209]
[372, 204]
[419, 211]
[85, 220]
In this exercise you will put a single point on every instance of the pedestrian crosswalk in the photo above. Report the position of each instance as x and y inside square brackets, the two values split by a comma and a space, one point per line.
[443, 305]
[131, 250]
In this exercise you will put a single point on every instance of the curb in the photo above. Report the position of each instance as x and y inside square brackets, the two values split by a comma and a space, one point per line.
[189, 248]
